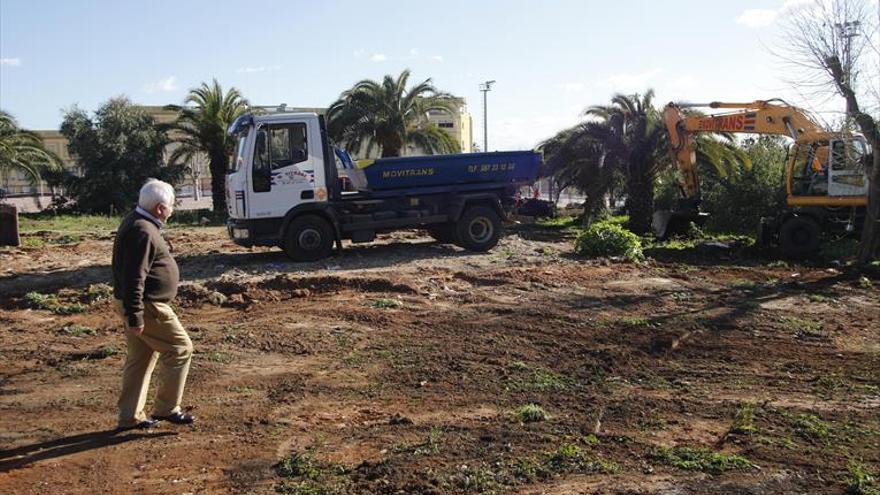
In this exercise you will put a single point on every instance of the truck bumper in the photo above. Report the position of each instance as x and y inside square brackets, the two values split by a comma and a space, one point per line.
[239, 232]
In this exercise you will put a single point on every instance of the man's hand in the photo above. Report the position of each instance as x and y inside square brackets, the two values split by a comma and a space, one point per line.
[136, 330]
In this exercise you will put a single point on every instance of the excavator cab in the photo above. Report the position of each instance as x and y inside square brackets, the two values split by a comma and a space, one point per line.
[822, 170]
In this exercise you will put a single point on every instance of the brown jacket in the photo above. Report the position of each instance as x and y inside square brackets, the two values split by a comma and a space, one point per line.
[143, 269]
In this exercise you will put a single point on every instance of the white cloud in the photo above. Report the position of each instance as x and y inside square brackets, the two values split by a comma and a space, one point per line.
[262, 68]
[754, 18]
[437, 58]
[15, 62]
[378, 57]
[627, 82]
[572, 87]
[162, 85]
[413, 52]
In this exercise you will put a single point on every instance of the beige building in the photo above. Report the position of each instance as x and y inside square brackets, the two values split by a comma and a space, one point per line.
[198, 181]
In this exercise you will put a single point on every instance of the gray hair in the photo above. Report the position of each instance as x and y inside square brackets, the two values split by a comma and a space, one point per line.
[154, 192]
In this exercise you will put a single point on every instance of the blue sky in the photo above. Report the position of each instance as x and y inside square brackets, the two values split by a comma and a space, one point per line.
[550, 59]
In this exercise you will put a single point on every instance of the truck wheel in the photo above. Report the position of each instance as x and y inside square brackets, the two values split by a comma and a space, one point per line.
[478, 229]
[308, 238]
[443, 232]
[799, 236]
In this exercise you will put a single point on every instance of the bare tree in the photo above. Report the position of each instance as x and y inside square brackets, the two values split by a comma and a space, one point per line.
[835, 42]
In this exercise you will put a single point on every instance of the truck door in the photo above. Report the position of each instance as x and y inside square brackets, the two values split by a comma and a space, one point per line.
[846, 169]
[283, 168]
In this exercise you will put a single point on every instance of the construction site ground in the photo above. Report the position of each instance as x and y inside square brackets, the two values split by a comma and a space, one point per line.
[409, 366]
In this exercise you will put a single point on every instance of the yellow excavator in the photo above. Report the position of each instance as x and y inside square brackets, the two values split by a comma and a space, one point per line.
[825, 172]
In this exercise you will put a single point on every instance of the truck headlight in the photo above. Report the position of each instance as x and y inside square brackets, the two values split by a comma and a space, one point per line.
[240, 233]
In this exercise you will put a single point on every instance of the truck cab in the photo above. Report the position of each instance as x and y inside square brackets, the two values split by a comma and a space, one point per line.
[283, 188]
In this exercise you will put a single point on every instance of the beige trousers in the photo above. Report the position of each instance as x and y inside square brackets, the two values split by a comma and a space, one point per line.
[164, 340]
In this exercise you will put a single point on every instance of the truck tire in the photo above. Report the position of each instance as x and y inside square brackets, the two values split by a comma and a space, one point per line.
[442, 232]
[478, 229]
[799, 236]
[308, 238]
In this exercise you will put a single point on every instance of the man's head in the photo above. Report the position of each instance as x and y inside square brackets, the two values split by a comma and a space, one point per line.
[157, 197]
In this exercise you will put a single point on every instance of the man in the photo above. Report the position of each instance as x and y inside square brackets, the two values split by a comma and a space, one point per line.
[145, 279]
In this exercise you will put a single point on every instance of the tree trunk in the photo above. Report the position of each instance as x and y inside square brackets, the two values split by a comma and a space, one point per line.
[640, 203]
[870, 242]
[218, 165]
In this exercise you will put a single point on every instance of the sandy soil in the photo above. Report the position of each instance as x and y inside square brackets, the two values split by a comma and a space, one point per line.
[398, 367]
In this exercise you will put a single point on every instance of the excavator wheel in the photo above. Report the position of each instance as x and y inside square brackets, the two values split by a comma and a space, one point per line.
[799, 236]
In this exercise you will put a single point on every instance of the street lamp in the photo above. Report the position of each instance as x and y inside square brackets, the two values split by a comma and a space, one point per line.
[485, 88]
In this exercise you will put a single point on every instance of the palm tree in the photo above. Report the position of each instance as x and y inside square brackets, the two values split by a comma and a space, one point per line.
[390, 116]
[627, 136]
[201, 128]
[24, 151]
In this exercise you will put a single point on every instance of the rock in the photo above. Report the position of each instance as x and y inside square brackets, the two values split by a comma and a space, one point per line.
[397, 419]
[216, 298]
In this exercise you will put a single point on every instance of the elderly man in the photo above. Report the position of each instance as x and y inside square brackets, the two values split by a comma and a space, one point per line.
[145, 279]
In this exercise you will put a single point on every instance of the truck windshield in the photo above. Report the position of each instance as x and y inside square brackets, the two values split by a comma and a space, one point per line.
[237, 160]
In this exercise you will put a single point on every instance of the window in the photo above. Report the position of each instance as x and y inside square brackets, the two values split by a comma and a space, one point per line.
[277, 146]
[446, 125]
[287, 145]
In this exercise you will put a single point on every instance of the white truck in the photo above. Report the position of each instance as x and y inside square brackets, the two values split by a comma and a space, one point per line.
[287, 187]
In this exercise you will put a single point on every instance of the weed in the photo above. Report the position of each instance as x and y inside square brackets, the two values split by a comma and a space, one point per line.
[384, 303]
[817, 298]
[744, 422]
[608, 239]
[860, 481]
[298, 465]
[75, 330]
[704, 460]
[98, 292]
[634, 321]
[812, 427]
[569, 457]
[802, 328]
[744, 284]
[681, 296]
[217, 357]
[530, 413]
[50, 302]
[105, 352]
[517, 366]
[34, 242]
[865, 283]
[479, 480]
[561, 222]
[544, 381]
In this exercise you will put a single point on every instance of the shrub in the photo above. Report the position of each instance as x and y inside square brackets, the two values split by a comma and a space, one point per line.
[608, 239]
[530, 413]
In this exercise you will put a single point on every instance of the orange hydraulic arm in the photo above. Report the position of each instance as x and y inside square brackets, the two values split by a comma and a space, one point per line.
[759, 117]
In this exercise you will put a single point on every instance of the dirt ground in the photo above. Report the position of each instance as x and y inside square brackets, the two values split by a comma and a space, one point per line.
[403, 367]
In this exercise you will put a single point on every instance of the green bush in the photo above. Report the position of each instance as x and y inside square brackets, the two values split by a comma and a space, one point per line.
[608, 239]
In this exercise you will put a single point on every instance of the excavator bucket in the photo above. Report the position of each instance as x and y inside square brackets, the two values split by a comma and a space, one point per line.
[669, 223]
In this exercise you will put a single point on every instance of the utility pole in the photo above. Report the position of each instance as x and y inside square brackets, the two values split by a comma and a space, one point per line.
[485, 88]
[847, 31]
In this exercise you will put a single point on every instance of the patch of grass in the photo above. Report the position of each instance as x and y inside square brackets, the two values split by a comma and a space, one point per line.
[543, 381]
[634, 321]
[32, 241]
[681, 296]
[530, 413]
[569, 457]
[745, 284]
[302, 474]
[744, 421]
[105, 352]
[75, 330]
[812, 427]
[517, 366]
[704, 460]
[561, 222]
[50, 302]
[859, 480]
[217, 357]
[801, 327]
[385, 303]
[865, 283]
[68, 223]
[98, 292]
[300, 465]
